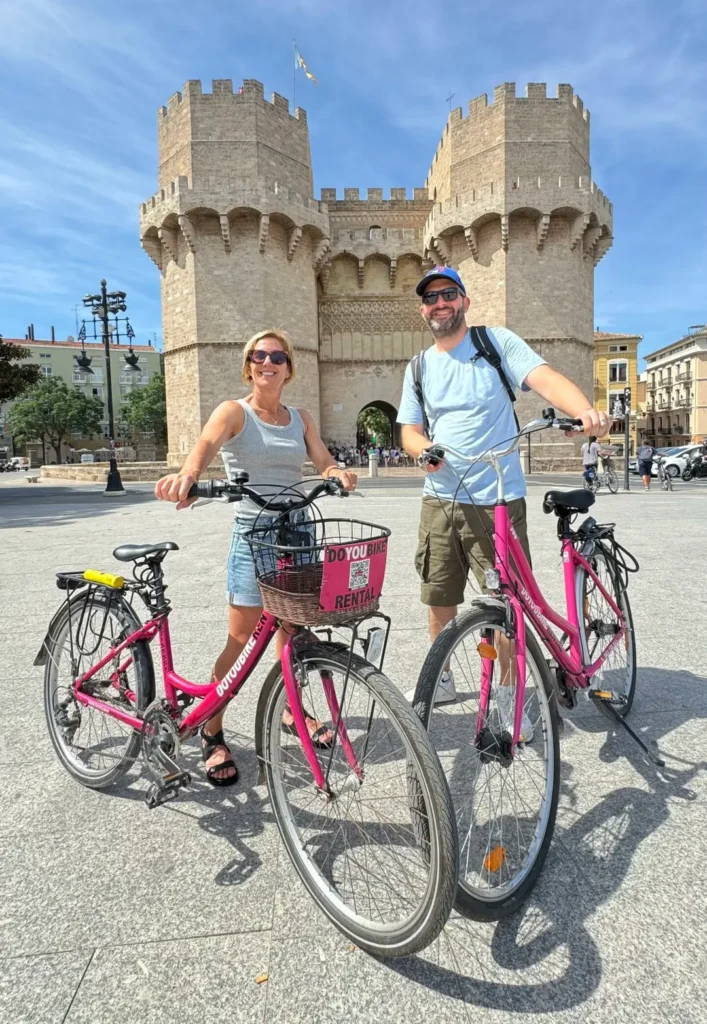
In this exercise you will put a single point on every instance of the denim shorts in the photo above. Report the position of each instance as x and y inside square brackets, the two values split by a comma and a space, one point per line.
[243, 589]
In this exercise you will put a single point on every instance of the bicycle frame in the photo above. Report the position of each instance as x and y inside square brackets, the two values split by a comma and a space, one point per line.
[525, 598]
[216, 694]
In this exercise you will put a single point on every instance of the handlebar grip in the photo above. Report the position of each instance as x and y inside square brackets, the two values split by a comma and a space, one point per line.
[202, 489]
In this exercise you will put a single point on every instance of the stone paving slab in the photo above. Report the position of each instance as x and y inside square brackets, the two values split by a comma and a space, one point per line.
[109, 912]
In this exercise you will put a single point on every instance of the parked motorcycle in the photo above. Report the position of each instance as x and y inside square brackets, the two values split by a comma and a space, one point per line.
[695, 467]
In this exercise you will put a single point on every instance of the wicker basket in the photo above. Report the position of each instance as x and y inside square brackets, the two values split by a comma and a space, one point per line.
[291, 579]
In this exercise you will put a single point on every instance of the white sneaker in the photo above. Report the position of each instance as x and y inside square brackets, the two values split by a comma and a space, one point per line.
[446, 692]
[505, 705]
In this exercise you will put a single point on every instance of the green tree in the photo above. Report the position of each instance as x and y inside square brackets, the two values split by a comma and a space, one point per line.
[376, 424]
[15, 376]
[50, 411]
[146, 409]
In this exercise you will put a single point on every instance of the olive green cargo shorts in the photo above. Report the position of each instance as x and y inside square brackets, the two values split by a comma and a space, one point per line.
[454, 538]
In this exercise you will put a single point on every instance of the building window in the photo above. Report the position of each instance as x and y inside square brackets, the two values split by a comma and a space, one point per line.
[613, 348]
[97, 392]
[45, 355]
[373, 232]
[46, 371]
[618, 373]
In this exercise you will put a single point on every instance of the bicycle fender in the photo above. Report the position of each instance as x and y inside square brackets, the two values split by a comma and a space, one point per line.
[41, 658]
[494, 603]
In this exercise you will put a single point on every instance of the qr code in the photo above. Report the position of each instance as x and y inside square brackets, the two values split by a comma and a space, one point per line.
[358, 574]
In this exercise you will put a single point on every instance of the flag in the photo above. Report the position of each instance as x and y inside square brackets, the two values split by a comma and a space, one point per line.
[299, 63]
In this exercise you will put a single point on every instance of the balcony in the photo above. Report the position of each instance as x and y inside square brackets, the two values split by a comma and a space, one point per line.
[682, 403]
[650, 388]
[685, 375]
[663, 430]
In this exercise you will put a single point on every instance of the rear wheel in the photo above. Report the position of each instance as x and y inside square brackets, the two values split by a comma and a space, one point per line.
[612, 480]
[95, 748]
[379, 855]
[505, 806]
[598, 622]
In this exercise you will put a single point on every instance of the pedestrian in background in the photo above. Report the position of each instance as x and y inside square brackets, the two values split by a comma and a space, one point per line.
[646, 453]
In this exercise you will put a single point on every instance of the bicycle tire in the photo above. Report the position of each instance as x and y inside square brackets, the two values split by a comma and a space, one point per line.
[611, 580]
[470, 900]
[612, 481]
[425, 787]
[142, 686]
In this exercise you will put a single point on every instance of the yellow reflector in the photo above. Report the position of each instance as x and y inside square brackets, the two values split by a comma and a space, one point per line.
[487, 651]
[604, 694]
[106, 579]
[495, 860]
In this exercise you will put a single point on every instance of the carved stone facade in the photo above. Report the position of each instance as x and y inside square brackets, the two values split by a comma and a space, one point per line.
[241, 244]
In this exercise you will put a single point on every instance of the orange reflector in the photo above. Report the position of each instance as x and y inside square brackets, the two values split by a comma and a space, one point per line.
[495, 860]
[604, 694]
[487, 651]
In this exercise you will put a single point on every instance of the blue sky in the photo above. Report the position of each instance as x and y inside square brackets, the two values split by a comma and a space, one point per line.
[81, 81]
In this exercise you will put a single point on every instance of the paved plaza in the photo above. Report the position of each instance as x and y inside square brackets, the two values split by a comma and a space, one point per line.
[113, 913]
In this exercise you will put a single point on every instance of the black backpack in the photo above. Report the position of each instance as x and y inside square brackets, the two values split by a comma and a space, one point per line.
[485, 349]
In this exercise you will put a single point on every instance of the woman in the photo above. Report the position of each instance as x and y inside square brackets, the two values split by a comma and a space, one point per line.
[270, 441]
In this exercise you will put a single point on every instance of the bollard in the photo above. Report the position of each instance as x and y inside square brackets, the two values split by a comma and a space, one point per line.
[373, 465]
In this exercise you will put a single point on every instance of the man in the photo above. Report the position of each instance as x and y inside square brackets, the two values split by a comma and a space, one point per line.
[645, 454]
[590, 457]
[469, 409]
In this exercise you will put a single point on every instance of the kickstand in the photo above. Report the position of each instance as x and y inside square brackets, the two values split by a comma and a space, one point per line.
[607, 706]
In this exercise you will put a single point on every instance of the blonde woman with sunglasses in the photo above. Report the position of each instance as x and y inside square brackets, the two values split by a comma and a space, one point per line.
[270, 441]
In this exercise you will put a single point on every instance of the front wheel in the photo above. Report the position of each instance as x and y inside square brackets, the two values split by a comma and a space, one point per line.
[378, 853]
[505, 805]
[687, 475]
[612, 480]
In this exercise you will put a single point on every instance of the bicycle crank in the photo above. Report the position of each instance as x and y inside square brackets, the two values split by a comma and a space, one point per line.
[608, 702]
[160, 750]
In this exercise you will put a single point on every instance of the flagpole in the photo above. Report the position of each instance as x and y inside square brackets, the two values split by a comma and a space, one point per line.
[294, 76]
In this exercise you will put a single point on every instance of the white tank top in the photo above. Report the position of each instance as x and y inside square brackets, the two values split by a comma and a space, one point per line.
[271, 455]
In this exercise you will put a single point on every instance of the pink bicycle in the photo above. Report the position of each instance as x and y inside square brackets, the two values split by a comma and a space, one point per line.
[498, 742]
[366, 817]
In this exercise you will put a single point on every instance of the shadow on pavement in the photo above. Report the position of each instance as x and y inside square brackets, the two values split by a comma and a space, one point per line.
[547, 937]
[52, 505]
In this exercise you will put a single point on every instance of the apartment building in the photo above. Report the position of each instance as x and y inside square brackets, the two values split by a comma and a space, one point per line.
[615, 368]
[676, 392]
[59, 359]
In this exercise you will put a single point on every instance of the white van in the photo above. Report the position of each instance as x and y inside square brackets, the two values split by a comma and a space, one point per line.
[87, 458]
[20, 462]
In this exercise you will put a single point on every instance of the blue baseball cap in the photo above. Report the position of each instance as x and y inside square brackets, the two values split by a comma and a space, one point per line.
[447, 272]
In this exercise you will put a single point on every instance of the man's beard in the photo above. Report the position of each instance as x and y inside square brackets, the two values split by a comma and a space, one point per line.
[448, 327]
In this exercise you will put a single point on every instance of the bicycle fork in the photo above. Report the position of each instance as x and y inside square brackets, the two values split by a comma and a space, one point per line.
[340, 734]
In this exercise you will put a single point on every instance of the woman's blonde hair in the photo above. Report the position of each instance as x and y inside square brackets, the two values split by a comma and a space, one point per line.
[279, 335]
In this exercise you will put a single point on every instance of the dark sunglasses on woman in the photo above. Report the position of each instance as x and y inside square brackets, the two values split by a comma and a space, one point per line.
[276, 358]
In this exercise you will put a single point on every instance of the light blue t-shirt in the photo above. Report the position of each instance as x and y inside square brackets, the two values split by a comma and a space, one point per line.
[469, 409]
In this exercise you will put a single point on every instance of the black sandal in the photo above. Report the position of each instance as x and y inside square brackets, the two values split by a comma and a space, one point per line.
[208, 745]
[318, 744]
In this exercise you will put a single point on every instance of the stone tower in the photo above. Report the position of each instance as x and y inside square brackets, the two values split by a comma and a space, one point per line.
[517, 213]
[237, 236]
[242, 245]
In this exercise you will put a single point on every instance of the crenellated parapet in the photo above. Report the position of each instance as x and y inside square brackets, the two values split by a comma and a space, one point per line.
[541, 199]
[177, 206]
[222, 93]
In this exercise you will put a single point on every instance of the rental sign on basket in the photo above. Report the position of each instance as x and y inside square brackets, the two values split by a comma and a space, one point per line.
[353, 574]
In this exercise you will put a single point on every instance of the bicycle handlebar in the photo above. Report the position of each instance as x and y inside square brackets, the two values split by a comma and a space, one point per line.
[436, 452]
[239, 489]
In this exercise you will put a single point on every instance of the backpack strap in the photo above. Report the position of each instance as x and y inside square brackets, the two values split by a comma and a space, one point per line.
[416, 367]
[486, 349]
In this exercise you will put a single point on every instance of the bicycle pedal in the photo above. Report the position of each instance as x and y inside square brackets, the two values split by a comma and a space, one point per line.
[166, 789]
[607, 697]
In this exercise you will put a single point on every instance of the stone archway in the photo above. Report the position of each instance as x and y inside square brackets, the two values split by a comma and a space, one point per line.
[389, 411]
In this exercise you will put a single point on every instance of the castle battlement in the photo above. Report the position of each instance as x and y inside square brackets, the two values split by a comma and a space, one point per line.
[533, 189]
[179, 197]
[536, 104]
[250, 92]
[374, 197]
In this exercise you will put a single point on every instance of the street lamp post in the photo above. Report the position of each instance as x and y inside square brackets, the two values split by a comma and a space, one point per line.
[627, 435]
[101, 306]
